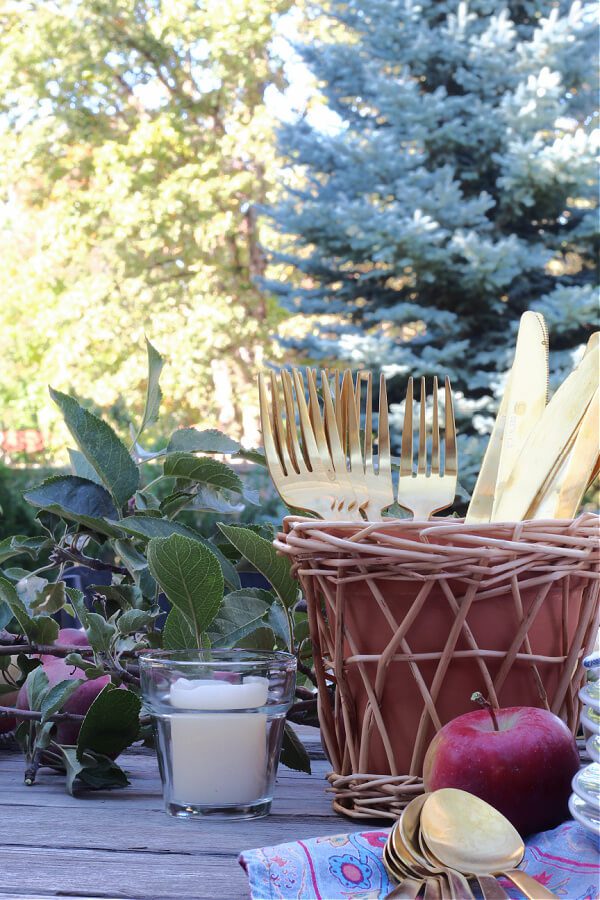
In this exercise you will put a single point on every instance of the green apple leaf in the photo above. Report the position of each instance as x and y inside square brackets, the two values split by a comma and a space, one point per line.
[241, 613]
[178, 634]
[293, 751]
[153, 391]
[191, 577]
[81, 466]
[104, 451]
[190, 440]
[19, 544]
[146, 527]
[76, 500]
[111, 723]
[37, 688]
[204, 470]
[261, 553]
[57, 696]
[51, 599]
[133, 620]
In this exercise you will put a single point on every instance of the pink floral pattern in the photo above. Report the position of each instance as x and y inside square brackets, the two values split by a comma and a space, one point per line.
[349, 867]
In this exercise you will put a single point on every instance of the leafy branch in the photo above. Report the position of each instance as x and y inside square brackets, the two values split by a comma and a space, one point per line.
[124, 507]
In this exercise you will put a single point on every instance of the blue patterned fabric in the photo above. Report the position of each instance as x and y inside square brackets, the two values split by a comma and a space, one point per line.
[349, 866]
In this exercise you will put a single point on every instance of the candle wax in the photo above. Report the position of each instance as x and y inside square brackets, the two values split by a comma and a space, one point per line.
[218, 758]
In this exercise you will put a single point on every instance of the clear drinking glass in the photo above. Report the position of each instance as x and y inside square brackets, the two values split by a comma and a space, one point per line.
[219, 717]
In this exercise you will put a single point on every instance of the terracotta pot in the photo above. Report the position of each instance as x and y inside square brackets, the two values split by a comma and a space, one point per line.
[408, 620]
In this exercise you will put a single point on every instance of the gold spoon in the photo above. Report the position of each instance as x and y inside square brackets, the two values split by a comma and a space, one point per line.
[466, 833]
[409, 887]
[409, 832]
[490, 888]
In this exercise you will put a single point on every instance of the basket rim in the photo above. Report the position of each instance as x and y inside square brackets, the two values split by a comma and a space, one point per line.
[564, 537]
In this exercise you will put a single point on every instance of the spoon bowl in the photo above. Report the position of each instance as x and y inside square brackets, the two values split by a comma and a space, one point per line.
[465, 833]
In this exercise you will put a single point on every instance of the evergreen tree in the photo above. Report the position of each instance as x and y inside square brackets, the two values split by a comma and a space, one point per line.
[458, 191]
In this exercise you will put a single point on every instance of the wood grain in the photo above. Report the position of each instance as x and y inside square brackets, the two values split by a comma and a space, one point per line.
[120, 845]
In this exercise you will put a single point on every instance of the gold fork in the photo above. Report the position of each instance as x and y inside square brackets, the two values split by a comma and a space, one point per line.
[428, 490]
[304, 476]
[371, 481]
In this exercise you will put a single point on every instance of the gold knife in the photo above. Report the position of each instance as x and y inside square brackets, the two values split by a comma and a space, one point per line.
[564, 494]
[522, 404]
[548, 441]
[527, 396]
[554, 477]
[482, 499]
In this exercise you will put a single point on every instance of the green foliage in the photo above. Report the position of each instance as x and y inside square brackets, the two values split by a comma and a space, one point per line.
[133, 161]
[111, 723]
[16, 515]
[190, 576]
[127, 525]
[263, 556]
[455, 187]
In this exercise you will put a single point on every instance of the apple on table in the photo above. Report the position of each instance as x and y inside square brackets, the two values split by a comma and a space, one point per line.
[82, 697]
[521, 760]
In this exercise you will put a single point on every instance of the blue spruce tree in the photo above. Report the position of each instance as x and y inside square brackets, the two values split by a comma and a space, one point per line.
[458, 191]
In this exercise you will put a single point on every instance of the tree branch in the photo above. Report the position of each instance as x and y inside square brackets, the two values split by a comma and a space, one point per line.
[44, 649]
[32, 715]
[61, 554]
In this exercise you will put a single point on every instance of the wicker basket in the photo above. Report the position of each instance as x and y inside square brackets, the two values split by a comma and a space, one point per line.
[408, 618]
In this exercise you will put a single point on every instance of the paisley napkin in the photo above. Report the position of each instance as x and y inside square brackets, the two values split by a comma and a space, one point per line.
[349, 866]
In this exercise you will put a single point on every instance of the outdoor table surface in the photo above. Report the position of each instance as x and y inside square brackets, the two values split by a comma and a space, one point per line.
[122, 844]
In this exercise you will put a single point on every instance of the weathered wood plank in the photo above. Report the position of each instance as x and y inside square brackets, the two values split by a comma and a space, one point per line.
[121, 844]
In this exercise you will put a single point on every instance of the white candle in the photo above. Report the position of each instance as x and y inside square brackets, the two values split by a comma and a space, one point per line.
[218, 758]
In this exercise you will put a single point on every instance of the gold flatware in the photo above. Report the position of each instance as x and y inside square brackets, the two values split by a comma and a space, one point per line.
[562, 496]
[527, 395]
[329, 444]
[576, 469]
[370, 478]
[482, 498]
[548, 441]
[467, 834]
[403, 848]
[304, 476]
[428, 490]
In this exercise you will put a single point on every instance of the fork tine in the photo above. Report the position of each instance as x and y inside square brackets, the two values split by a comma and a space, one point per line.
[308, 438]
[348, 398]
[435, 432]
[338, 457]
[406, 452]
[369, 422]
[384, 456]
[290, 421]
[340, 412]
[422, 459]
[280, 430]
[317, 425]
[271, 451]
[313, 401]
[451, 452]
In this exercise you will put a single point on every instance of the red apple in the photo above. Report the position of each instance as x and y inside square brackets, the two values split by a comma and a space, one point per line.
[80, 700]
[523, 769]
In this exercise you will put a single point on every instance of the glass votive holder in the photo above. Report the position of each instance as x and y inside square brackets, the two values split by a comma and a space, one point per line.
[219, 718]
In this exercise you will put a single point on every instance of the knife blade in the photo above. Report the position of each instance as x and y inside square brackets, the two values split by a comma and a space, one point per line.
[562, 498]
[549, 439]
[526, 396]
[482, 499]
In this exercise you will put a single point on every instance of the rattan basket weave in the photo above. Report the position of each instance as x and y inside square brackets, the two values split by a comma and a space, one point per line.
[408, 618]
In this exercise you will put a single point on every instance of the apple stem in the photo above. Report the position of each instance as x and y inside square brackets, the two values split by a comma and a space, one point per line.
[478, 697]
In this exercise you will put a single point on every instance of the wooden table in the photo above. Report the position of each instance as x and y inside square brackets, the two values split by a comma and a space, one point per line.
[121, 844]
